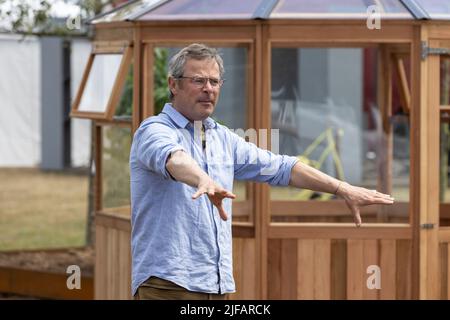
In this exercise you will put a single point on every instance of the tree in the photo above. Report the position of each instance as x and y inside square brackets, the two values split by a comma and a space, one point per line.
[35, 16]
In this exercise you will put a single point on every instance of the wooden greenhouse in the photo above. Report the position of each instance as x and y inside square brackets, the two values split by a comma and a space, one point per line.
[358, 88]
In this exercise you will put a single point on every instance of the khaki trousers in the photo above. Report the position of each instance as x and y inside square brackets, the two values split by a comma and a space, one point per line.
[159, 289]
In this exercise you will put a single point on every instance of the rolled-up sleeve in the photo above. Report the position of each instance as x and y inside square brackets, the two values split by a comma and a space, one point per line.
[253, 163]
[156, 142]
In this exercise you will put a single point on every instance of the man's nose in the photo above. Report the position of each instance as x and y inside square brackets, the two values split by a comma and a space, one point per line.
[208, 86]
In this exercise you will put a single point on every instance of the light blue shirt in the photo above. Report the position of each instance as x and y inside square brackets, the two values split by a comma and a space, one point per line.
[174, 237]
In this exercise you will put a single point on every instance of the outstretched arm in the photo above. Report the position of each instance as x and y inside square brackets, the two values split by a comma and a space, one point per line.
[184, 169]
[307, 177]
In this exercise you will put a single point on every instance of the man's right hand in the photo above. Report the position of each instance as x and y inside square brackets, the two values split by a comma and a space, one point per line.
[215, 193]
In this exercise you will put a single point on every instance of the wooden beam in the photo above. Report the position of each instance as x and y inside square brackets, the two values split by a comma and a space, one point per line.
[137, 81]
[439, 30]
[415, 182]
[110, 32]
[331, 208]
[98, 178]
[76, 102]
[340, 33]
[385, 147]
[444, 234]
[102, 47]
[263, 101]
[43, 284]
[405, 92]
[429, 176]
[281, 230]
[113, 221]
[148, 79]
[189, 34]
[119, 82]
[243, 230]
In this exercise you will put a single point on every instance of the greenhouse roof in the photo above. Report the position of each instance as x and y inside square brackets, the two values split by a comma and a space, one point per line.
[188, 10]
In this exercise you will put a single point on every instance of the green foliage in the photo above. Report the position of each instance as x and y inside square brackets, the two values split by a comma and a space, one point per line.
[116, 171]
[161, 91]
[125, 106]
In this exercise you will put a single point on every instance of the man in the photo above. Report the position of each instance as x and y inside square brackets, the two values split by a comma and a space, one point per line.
[180, 186]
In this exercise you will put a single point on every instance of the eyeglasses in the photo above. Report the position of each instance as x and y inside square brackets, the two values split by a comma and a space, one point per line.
[200, 82]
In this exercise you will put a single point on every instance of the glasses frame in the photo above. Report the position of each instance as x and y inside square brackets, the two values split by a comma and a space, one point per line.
[205, 80]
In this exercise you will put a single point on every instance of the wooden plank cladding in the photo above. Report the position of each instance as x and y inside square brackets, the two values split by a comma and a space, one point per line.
[112, 261]
[339, 269]
[444, 266]
[244, 264]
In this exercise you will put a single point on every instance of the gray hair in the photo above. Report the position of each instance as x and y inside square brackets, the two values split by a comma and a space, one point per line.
[194, 51]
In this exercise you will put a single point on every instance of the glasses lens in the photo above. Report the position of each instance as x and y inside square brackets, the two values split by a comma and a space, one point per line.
[199, 82]
[214, 82]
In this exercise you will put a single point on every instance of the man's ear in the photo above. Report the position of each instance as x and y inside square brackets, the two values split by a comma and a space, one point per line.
[172, 85]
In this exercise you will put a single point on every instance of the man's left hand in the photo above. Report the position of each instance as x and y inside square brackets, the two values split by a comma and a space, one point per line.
[356, 197]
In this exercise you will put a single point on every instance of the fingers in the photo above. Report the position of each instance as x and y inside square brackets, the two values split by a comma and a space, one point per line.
[379, 194]
[199, 192]
[381, 201]
[211, 191]
[223, 215]
[356, 216]
[230, 195]
[383, 195]
[216, 194]
[381, 198]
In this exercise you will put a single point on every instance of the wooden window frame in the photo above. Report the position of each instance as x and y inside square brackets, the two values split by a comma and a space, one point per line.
[119, 82]
[394, 57]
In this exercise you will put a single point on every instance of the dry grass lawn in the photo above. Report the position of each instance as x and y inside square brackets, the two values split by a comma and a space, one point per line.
[42, 209]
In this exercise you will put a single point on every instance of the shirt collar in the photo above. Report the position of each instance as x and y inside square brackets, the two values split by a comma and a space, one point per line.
[182, 121]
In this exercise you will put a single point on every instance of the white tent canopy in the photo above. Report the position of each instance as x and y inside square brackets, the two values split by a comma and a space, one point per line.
[20, 102]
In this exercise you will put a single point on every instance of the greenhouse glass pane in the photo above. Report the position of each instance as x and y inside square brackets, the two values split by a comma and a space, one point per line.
[100, 82]
[204, 9]
[127, 11]
[445, 81]
[341, 9]
[437, 9]
[116, 145]
[335, 126]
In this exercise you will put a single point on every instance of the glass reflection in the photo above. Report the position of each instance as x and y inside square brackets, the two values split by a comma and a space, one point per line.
[324, 104]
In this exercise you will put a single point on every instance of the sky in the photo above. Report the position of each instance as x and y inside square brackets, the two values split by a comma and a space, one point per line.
[61, 9]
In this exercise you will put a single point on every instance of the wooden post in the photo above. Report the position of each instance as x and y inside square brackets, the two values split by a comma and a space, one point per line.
[385, 147]
[148, 81]
[414, 190]
[262, 195]
[137, 79]
[429, 176]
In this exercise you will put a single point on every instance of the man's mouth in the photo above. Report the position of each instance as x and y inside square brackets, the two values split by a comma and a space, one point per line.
[205, 101]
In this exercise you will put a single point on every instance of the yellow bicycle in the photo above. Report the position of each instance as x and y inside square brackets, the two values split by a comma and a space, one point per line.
[327, 136]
